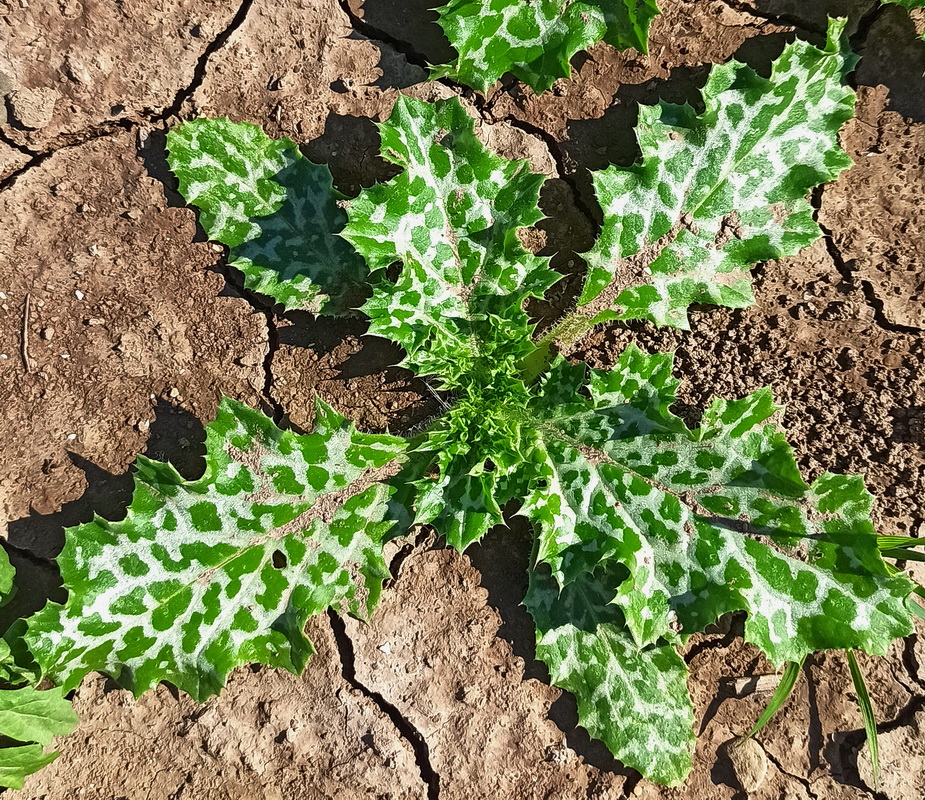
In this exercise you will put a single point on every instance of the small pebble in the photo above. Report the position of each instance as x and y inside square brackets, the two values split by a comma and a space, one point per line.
[749, 763]
[71, 437]
[48, 334]
[79, 294]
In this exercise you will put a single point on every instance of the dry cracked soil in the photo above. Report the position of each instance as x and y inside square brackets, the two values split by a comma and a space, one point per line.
[121, 327]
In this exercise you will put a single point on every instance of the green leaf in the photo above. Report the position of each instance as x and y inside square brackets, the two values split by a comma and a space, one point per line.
[627, 22]
[451, 218]
[903, 554]
[28, 715]
[18, 762]
[634, 700]
[481, 457]
[899, 542]
[719, 191]
[275, 209]
[706, 521]
[7, 573]
[535, 39]
[204, 575]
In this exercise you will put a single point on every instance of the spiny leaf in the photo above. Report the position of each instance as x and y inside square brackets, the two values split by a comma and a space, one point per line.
[481, 459]
[451, 218]
[707, 521]
[535, 39]
[627, 22]
[634, 700]
[204, 575]
[275, 209]
[719, 191]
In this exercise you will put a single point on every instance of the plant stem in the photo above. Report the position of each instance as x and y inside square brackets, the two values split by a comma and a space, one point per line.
[565, 332]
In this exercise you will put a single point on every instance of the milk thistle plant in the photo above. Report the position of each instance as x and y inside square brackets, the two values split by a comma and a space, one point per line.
[646, 530]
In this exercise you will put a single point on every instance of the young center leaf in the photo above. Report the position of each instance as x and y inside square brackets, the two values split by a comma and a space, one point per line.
[634, 700]
[535, 39]
[706, 521]
[204, 575]
[719, 191]
[275, 209]
[451, 219]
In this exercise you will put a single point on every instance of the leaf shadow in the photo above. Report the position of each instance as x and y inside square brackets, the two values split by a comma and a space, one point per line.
[152, 150]
[399, 23]
[349, 147]
[502, 558]
[34, 541]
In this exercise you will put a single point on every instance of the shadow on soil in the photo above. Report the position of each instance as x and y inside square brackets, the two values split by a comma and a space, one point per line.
[502, 558]
[894, 55]
[175, 435]
[406, 21]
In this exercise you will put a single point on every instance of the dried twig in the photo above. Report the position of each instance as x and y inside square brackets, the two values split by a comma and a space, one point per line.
[26, 360]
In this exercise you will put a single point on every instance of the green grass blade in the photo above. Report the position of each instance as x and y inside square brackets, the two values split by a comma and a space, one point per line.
[915, 608]
[899, 542]
[867, 714]
[903, 554]
[781, 695]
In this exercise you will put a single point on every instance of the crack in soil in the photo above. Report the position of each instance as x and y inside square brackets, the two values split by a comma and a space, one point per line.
[26, 151]
[804, 782]
[853, 742]
[406, 50]
[859, 37]
[30, 555]
[911, 661]
[74, 140]
[235, 280]
[558, 156]
[402, 724]
[145, 117]
[874, 302]
[199, 74]
[373, 33]
[269, 379]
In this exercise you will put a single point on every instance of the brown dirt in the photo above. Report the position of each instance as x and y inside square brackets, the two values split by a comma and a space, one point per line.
[440, 694]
